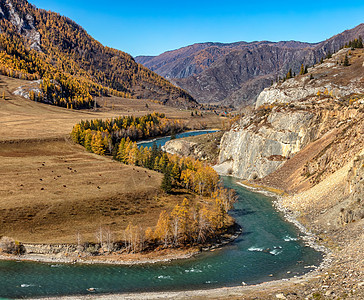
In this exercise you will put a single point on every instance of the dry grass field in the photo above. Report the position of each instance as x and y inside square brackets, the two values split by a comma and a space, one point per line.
[52, 189]
[24, 119]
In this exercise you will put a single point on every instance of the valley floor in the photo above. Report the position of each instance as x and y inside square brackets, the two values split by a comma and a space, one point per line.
[53, 191]
[46, 179]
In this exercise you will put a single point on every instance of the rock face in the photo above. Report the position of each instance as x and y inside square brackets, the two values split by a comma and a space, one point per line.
[202, 147]
[258, 146]
[292, 115]
[354, 208]
[243, 74]
[235, 74]
[180, 147]
[25, 25]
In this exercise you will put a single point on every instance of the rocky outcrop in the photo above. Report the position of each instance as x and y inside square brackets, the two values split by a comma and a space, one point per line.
[258, 145]
[180, 147]
[327, 109]
[24, 91]
[24, 24]
[353, 208]
[325, 77]
[202, 147]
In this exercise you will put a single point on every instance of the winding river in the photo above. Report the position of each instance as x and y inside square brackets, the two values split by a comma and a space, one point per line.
[270, 248]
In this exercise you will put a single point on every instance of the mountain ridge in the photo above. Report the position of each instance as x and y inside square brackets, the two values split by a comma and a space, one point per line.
[39, 44]
[199, 72]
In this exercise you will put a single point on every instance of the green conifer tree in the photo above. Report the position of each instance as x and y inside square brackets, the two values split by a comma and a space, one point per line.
[167, 182]
[346, 61]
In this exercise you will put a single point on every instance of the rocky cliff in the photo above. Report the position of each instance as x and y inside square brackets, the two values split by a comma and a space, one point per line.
[306, 137]
[203, 147]
[292, 115]
[258, 145]
[330, 78]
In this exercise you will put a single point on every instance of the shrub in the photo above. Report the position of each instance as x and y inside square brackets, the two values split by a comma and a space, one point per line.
[8, 245]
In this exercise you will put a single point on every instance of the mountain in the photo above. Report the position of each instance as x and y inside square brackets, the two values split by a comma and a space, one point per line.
[321, 112]
[73, 67]
[304, 141]
[194, 59]
[235, 74]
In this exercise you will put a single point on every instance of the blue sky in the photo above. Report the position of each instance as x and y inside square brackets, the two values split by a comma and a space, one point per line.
[152, 27]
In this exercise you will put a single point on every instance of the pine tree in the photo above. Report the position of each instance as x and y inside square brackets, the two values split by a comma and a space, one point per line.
[167, 182]
[175, 173]
[162, 230]
[346, 61]
[88, 139]
[360, 42]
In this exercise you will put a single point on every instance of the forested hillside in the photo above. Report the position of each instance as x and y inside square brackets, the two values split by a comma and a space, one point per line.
[74, 67]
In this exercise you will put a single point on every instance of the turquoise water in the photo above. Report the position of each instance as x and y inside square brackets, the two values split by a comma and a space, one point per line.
[243, 260]
[163, 140]
[268, 246]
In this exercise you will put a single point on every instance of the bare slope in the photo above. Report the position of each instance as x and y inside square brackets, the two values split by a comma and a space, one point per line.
[23, 119]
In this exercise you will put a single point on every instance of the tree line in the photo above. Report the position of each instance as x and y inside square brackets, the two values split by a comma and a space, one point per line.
[191, 221]
[103, 136]
[355, 43]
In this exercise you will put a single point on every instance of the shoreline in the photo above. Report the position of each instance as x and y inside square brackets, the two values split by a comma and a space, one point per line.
[124, 259]
[308, 237]
[216, 293]
[272, 286]
[161, 137]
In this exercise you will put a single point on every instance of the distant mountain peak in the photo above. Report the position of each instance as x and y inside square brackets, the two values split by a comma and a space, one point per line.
[235, 73]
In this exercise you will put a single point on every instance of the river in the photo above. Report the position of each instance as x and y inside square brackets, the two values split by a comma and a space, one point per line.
[270, 248]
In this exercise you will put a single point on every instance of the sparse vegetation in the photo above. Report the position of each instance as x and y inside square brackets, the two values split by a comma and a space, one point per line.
[346, 61]
[356, 43]
[10, 246]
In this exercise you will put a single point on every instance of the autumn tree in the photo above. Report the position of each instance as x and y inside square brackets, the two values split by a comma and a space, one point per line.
[289, 74]
[302, 70]
[163, 228]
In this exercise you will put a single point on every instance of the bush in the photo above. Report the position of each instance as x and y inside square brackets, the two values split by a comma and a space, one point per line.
[8, 245]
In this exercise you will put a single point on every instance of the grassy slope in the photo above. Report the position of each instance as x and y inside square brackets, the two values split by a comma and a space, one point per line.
[51, 189]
